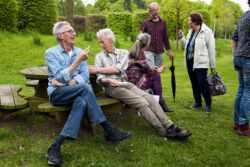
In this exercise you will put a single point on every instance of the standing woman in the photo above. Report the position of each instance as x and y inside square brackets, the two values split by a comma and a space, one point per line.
[199, 55]
[141, 74]
[241, 52]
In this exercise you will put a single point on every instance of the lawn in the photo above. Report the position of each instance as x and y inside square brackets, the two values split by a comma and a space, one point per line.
[25, 136]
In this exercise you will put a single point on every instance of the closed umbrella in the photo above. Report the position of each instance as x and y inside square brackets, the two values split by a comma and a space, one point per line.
[172, 68]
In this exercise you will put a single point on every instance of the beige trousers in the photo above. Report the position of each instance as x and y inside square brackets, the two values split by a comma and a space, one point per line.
[145, 103]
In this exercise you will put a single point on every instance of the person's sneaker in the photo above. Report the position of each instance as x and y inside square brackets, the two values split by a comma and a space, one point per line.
[195, 105]
[176, 132]
[54, 156]
[116, 136]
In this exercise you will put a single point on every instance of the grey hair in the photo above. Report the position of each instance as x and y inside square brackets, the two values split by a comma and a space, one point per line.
[59, 28]
[151, 4]
[142, 41]
[106, 33]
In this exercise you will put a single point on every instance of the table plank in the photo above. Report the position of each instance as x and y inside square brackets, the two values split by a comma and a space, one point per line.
[44, 68]
[19, 102]
[6, 98]
[35, 73]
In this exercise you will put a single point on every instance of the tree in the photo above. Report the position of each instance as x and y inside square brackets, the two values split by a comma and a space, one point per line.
[69, 11]
[175, 11]
[102, 5]
[140, 4]
[79, 8]
[226, 21]
[127, 5]
[61, 7]
[225, 15]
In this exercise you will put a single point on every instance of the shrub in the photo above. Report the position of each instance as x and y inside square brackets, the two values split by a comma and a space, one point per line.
[79, 23]
[133, 36]
[37, 41]
[138, 18]
[8, 15]
[117, 44]
[89, 36]
[39, 15]
[95, 22]
[120, 23]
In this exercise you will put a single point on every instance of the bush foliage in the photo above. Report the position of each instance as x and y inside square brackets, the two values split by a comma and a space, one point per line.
[38, 15]
[120, 23]
[8, 15]
[138, 18]
[95, 22]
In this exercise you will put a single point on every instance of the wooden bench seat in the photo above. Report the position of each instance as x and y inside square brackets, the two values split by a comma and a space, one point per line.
[32, 83]
[10, 100]
[106, 103]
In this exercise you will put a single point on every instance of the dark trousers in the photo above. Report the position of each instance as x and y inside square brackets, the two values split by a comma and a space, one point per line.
[198, 78]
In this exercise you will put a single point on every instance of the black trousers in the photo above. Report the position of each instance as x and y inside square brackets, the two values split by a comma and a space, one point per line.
[198, 78]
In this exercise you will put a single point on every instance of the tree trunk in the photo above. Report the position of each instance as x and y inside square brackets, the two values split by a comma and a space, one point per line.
[69, 12]
[177, 27]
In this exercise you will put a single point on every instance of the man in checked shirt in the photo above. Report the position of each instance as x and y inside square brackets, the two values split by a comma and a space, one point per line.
[157, 29]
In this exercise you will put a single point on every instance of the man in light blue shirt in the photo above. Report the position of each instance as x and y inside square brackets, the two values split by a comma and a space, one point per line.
[68, 76]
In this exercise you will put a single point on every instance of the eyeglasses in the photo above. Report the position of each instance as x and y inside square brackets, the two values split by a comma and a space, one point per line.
[70, 31]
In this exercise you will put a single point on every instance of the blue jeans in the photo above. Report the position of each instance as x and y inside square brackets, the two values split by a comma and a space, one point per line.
[82, 98]
[242, 100]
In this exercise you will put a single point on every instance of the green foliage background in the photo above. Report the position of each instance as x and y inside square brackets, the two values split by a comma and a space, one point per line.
[120, 23]
[37, 15]
[8, 15]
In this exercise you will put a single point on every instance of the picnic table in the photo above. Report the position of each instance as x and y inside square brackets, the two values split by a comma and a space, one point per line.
[10, 100]
[40, 101]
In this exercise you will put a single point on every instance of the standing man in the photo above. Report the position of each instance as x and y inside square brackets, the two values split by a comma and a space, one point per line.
[68, 76]
[157, 29]
[110, 66]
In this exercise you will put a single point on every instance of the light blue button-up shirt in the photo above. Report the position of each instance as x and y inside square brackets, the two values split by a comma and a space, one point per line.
[58, 62]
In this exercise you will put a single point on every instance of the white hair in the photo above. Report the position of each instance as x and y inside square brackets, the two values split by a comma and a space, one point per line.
[106, 33]
[152, 4]
[59, 28]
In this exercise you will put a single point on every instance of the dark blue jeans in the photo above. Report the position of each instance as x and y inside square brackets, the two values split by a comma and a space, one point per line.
[82, 98]
[242, 100]
[198, 78]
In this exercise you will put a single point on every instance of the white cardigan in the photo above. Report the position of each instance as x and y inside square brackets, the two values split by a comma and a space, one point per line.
[204, 49]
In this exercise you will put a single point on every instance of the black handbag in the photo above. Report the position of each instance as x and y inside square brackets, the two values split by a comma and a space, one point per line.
[216, 85]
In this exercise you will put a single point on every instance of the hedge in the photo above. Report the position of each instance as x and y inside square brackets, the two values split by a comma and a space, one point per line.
[138, 18]
[120, 22]
[8, 15]
[95, 23]
[37, 15]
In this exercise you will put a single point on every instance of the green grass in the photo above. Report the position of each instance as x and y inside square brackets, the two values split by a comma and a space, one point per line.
[25, 137]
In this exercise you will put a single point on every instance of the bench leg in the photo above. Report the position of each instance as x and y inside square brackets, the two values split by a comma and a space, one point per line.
[113, 108]
[62, 116]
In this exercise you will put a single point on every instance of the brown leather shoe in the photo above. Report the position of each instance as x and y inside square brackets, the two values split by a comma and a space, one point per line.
[176, 132]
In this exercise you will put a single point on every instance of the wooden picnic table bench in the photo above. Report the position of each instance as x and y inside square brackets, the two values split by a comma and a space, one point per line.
[10, 100]
[40, 101]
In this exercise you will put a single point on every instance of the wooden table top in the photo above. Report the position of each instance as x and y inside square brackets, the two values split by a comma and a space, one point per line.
[40, 73]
